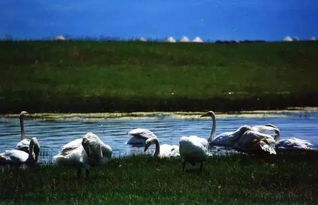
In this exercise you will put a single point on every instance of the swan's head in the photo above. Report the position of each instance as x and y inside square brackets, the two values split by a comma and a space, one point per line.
[149, 142]
[208, 114]
[23, 114]
[243, 129]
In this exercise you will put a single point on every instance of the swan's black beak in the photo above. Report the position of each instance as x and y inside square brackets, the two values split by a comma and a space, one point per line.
[205, 115]
[146, 147]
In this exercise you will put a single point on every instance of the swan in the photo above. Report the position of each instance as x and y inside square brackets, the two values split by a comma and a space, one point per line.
[83, 153]
[162, 151]
[18, 157]
[23, 145]
[97, 151]
[194, 149]
[253, 141]
[225, 139]
[139, 136]
[228, 139]
[294, 144]
[245, 138]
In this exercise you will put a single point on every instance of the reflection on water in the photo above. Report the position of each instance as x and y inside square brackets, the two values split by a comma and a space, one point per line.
[53, 134]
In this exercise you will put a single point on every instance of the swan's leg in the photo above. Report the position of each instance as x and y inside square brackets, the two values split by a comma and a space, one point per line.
[87, 172]
[183, 165]
[79, 172]
[201, 166]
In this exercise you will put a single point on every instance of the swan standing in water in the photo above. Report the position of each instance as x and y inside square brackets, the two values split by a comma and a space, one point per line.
[139, 136]
[162, 151]
[194, 149]
[18, 157]
[83, 153]
[24, 144]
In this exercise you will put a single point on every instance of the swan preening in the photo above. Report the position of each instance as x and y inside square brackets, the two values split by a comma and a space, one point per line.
[139, 136]
[18, 157]
[84, 153]
[162, 151]
[246, 138]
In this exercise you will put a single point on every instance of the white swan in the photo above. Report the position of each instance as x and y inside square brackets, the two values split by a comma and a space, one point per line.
[162, 151]
[24, 144]
[18, 157]
[256, 142]
[294, 144]
[97, 151]
[228, 139]
[83, 153]
[246, 138]
[139, 136]
[194, 149]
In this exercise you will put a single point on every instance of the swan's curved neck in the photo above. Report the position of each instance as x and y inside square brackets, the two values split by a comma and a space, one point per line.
[212, 135]
[31, 151]
[157, 151]
[22, 127]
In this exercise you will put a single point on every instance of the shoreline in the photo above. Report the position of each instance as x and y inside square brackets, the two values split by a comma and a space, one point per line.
[161, 115]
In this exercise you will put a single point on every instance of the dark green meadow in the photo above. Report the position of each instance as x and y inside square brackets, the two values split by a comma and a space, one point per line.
[235, 179]
[88, 76]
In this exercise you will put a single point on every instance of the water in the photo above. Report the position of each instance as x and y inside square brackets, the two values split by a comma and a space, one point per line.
[53, 134]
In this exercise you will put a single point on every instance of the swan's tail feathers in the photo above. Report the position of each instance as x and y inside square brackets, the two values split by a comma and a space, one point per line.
[267, 148]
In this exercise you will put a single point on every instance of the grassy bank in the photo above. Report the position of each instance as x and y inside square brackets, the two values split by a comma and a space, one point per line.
[144, 180]
[135, 76]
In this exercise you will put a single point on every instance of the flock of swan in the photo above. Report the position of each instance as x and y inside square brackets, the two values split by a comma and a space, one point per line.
[90, 150]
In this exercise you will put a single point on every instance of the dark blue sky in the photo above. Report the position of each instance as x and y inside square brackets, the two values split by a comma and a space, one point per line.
[209, 19]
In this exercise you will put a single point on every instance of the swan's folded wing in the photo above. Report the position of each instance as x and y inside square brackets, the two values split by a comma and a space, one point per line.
[23, 145]
[15, 156]
[141, 133]
[71, 146]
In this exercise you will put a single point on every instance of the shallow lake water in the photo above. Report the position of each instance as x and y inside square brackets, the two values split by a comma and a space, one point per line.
[52, 134]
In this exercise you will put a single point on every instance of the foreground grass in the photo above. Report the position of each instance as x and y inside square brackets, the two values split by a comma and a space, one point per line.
[134, 76]
[144, 180]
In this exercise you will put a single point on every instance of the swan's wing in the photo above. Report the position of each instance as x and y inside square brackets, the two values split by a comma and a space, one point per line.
[23, 145]
[294, 144]
[14, 156]
[268, 129]
[223, 139]
[141, 133]
[227, 139]
[71, 146]
[74, 157]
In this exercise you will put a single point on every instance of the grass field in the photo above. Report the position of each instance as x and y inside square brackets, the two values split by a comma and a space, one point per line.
[79, 76]
[235, 179]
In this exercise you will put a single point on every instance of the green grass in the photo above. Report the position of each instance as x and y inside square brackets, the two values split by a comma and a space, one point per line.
[235, 179]
[79, 76]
